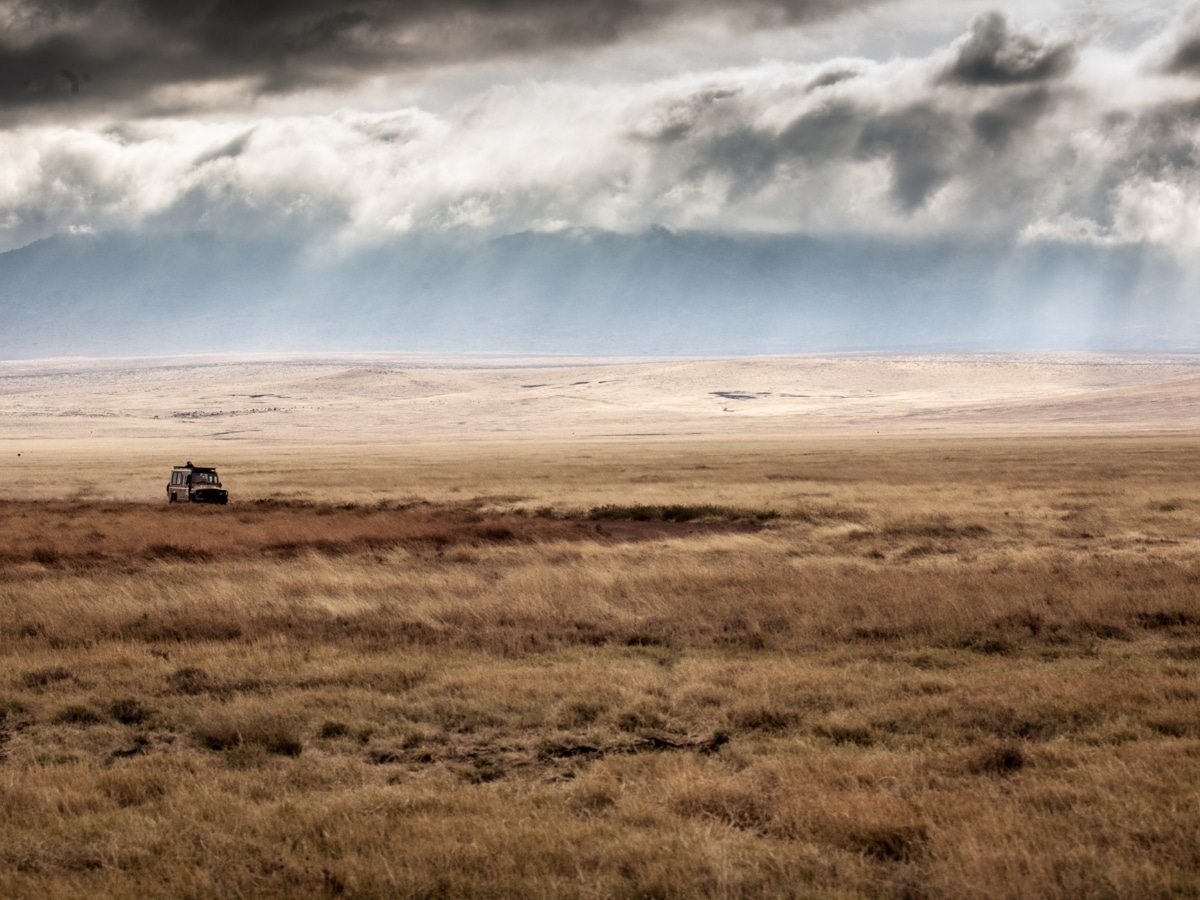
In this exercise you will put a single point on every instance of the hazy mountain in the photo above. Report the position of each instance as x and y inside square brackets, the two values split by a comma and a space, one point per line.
[579, 292]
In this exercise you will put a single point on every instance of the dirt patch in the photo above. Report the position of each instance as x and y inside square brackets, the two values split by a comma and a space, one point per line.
[618, 532]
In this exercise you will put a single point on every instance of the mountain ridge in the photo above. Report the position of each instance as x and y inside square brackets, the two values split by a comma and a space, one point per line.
[583, 291]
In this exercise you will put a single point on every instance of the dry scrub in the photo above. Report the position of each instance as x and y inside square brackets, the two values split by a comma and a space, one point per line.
[907, 675]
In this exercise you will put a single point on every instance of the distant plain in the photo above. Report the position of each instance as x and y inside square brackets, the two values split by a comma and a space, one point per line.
[892, 626]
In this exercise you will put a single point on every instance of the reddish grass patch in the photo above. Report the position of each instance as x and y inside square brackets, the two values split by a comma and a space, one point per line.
[286, 531]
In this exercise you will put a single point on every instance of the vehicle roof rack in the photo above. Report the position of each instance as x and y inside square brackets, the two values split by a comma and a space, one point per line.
[188, 465]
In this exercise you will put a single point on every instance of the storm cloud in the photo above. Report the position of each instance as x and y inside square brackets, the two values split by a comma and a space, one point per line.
[1004, 131]
[129, 49]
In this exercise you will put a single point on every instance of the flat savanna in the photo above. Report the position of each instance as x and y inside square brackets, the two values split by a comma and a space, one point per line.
[930, 666]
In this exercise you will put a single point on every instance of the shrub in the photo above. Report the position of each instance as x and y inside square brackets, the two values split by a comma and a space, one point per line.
[998, 759]
[77, 714]
[678, 513]
[251, 729]
[129, 711]
[762, 717]
[332, 729]
[190, 680]
[859, 735]
[42, 677]
[888, 843]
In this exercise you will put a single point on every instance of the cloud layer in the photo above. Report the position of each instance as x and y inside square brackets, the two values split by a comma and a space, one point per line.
[1013, 131]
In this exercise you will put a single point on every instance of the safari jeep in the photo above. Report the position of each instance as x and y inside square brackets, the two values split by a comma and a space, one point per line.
[195, 484]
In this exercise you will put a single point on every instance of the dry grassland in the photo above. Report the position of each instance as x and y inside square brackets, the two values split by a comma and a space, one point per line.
[901, 667]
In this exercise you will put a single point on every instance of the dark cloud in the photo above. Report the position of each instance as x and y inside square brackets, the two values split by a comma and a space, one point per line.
[923, 144]
[716, 133]
[675, 120]
[134, 46]
[747, 157]
[828, 133]
[978, 137]
[992, 55]
[997, 125]
[920, 141]
[1161, 142]
[1186, 58]
[830, 78]
[34, 74]
[229, 150]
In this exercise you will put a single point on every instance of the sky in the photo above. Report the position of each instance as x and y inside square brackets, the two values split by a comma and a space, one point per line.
[346, 125]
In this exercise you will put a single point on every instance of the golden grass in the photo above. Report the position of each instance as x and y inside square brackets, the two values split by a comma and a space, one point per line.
[940, 669]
